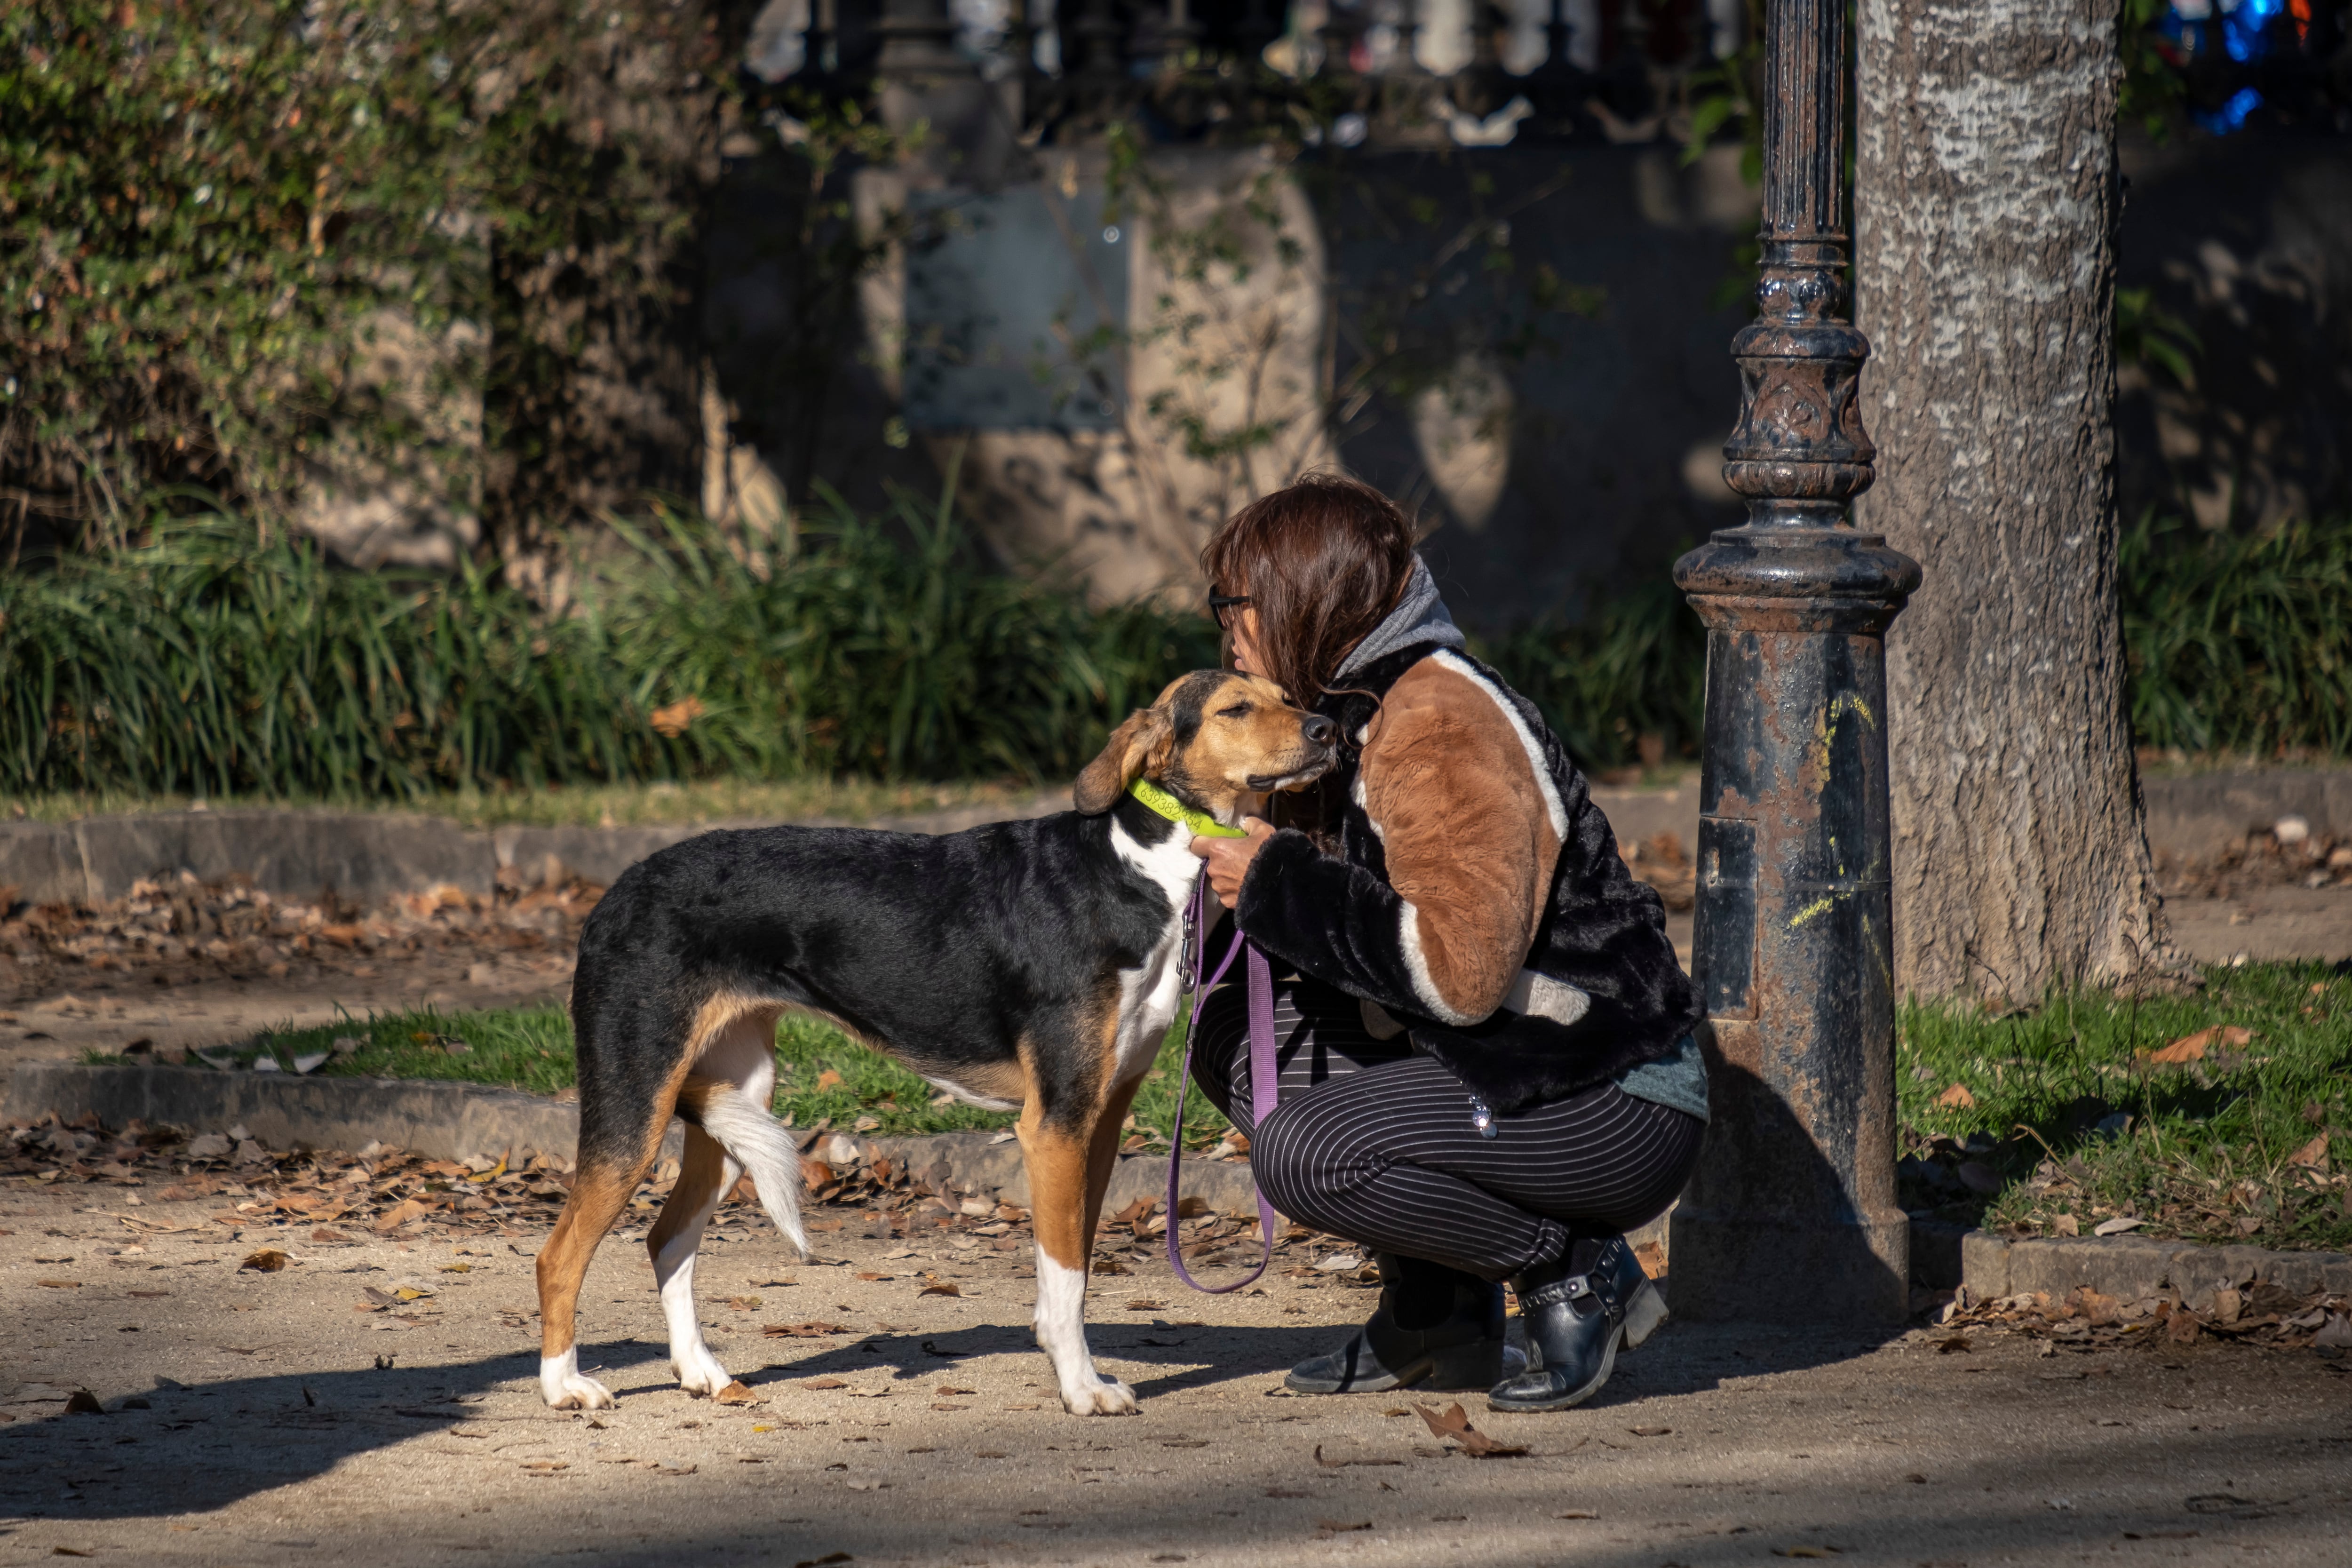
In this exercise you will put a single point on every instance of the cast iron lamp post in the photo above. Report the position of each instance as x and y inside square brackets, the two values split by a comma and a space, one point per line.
[1792, 1215]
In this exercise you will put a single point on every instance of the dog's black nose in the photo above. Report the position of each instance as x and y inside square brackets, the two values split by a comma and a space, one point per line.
[1320, 731]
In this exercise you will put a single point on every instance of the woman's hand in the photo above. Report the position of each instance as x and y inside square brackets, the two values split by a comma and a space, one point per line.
[1229, 858]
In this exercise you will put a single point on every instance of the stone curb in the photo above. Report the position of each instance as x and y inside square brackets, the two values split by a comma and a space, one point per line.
[445, 1120]
[1991, 1267]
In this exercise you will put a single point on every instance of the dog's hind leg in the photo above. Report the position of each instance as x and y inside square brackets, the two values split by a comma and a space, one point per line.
[600, 1187]
[1069, 1169]
[728, 1131]
[704, 1177]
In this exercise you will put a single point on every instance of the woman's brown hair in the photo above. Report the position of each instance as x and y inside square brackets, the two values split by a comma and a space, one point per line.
[1323, 562]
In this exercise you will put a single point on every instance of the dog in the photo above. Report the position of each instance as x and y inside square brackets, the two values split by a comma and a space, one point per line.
[1024, 965]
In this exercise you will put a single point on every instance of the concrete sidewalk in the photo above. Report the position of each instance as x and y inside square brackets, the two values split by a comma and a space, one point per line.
[270, 1434]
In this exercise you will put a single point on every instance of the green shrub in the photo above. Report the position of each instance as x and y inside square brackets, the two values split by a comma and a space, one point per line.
[2239, 643]
[216, 660]
[205, 208]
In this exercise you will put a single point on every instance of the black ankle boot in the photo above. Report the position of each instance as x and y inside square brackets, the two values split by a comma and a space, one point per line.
[1455, 1339]
[1573, 1324]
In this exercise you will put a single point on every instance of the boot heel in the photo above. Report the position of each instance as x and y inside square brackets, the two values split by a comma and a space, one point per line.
[1477, 1365]
[1644, 1314]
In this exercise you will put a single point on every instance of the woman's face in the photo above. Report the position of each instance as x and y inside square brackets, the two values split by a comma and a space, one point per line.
[1245, 635]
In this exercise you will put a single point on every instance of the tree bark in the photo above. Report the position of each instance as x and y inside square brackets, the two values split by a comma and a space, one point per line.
[1984, 202]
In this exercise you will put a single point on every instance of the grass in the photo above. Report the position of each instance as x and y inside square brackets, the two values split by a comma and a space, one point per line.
[2066, 1107]
[2064, 1117]
[821, 1073]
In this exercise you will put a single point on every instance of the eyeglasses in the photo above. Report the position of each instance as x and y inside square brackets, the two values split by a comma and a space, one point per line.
[1220, 603]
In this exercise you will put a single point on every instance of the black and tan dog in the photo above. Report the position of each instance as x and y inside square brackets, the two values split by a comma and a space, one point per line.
[1030, 965]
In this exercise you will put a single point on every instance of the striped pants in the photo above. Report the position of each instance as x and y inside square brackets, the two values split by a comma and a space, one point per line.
[1375, 1143]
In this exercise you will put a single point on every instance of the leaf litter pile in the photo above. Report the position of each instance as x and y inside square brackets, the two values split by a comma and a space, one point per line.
[2245, 1312]
[177, 930]
[393, 1192]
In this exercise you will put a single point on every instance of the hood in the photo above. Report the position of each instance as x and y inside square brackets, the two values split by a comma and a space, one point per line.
[1420, 618]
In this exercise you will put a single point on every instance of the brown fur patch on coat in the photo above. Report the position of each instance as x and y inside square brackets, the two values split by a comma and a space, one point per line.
[1468, 835]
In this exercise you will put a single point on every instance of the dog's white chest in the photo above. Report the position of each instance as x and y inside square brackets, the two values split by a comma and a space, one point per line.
[1149, 993]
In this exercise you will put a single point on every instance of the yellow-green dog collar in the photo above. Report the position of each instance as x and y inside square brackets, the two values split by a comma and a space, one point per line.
[1202, 825]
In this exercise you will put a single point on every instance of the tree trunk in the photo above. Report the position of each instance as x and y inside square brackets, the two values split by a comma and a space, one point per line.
[1984, 202]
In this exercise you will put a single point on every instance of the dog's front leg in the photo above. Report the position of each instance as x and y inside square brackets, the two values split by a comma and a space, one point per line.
[1064, 1201]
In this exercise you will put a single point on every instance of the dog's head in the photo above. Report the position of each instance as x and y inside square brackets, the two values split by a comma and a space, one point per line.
[1213, 737]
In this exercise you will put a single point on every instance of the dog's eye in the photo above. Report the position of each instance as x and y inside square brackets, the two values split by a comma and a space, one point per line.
[1238, 711]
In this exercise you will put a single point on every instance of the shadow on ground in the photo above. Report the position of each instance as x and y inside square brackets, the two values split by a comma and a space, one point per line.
[201, 1447]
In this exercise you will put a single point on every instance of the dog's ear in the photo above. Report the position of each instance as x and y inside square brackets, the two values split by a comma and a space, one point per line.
[1141, 743]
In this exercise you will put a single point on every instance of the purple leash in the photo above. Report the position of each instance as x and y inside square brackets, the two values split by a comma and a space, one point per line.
[1265, 1085]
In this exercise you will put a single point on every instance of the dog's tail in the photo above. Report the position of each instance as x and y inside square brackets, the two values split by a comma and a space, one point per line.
[765, 1150]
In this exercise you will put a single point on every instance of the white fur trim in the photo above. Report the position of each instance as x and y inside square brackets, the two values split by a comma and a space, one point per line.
[1552, 805]
[1540, 996]
[1417, 964]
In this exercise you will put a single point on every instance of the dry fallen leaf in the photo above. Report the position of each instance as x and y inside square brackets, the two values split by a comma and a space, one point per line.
[2337, 1335]
[82, 1402]
[323, 1233]
[1804, 1551]
[2192, 1048]
[1455, 1423]
[269, 1260]
[949, 1393]
[2066, 1224]
[60, 1284]
[941, 1287]
[822, 1383]
[2312, 1155]
[1577, 1514]
[1957, 1098]
[395, 1217]
[803, 1330]
[1649, 1431]
[744, 1303]
[1333, 1527]
[827, 1080]
[736, 1393]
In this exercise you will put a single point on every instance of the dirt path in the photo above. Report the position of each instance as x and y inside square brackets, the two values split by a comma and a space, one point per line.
[272, 1432]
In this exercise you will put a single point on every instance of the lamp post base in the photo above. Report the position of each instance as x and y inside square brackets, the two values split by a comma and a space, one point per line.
[1730, 1267]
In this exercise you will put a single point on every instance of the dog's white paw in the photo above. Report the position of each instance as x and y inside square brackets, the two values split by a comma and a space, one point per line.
[700, 1372]
[1108, 1398]
[560, 1385]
